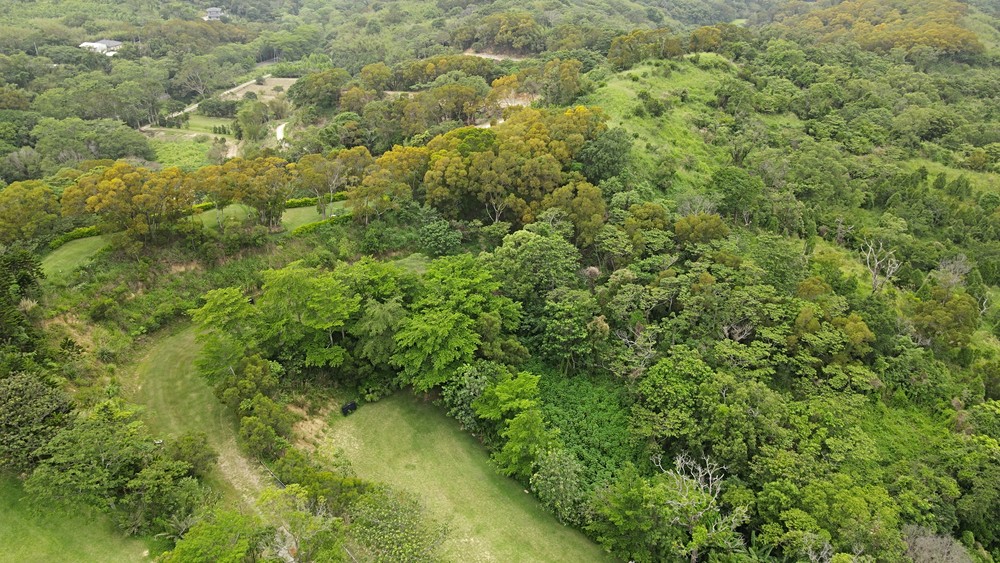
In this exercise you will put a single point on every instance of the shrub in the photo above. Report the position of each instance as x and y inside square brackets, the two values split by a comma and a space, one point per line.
[313, 227]
[203, 206]
[300, 202]
[438, 238]
[380, 238]
[82, 232]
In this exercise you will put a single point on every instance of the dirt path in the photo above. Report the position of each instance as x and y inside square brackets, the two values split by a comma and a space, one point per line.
[493, 56]
[232, 150]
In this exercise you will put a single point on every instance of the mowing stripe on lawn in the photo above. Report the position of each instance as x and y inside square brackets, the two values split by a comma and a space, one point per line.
[58, 264]
[39, 533]
[177, 399]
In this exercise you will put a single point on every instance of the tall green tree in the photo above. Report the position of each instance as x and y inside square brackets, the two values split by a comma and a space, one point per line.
[457, 315]
[31, 413]
[27, 210]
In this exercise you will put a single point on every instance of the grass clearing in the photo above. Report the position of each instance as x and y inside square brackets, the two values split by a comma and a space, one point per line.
[203, 123]
[177, 400]
[61, 262]
[416, 263]
[981, 181]
[672, 138]
[27, 534]
[265, 91]
[291, 219]
[210, 218]
[186, 154]
[298, 216]
[413, 446]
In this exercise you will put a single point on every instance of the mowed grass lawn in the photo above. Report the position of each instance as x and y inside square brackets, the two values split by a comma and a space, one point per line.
[61, 262]
[291, 219]
[176, 399]
[204, 124]
[31, 535]
[413, 446]
[294, 218]
[58, 264]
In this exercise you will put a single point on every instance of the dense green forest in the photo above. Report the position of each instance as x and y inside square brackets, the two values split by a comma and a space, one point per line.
[711, 280]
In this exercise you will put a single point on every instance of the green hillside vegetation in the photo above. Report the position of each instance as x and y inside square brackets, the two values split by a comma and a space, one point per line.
[602, 280]
[671, 142]
[177, 402]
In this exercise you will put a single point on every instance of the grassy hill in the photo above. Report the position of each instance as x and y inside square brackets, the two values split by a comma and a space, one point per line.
[672, 140]
[412, 445]
[61, 262]
[32, 533]
[177, 400]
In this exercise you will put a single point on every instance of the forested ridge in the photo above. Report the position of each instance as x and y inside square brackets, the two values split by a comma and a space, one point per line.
[712, 280]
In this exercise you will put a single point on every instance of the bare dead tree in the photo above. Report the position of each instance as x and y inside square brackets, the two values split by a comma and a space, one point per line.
[591, 274]
[920, 339]
[694, 205]
[640, 344]
[880, 261]
[842, 231]
[697, 486]
[951, 272]
[738, 331]
[746, 215]
[925, 546]
[984, 303]
[816, 549]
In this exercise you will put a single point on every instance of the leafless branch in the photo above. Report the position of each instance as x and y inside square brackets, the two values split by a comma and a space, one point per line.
[951, 272]
[842, 231]
[738, 331]
[641, 346]
[816, 549]
[880, 261]
[694, 205]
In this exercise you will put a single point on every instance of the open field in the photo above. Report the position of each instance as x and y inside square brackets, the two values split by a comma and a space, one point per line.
[28, 534]
[981, 181]
[59, 263]
[291, 219]
[416, 263]
[203, 124]
[176, 400]
[181, 151]
[413, 446]
[210, 217]
[299, 216]
[264, 91]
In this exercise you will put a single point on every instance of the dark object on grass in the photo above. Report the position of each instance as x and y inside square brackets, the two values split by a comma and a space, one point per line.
[349, 408]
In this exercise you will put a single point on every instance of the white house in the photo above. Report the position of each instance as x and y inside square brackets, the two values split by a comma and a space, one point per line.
[212, 15]
[106, 46]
